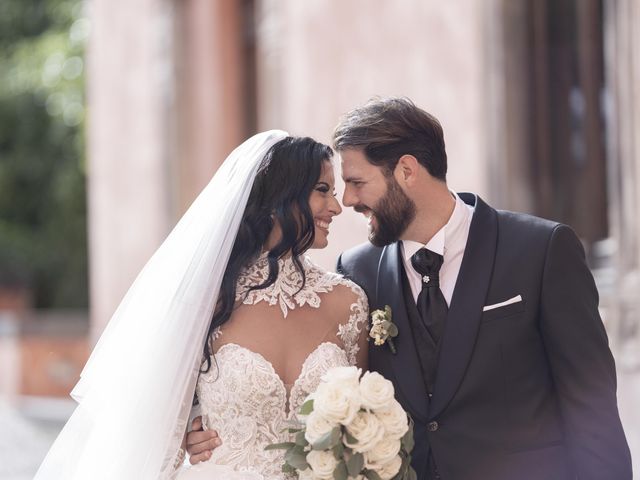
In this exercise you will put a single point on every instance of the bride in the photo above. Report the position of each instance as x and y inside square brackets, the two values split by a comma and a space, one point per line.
[230, 308]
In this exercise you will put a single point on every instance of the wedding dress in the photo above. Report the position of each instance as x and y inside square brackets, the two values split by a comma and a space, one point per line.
[242, 396]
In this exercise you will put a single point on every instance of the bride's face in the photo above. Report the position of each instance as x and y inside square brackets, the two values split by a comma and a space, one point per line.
[324, 205]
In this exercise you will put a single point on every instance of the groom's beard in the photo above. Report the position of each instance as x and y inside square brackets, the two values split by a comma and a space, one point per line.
[393, 213]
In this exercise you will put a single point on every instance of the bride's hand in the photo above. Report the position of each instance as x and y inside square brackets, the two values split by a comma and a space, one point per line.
[201, 443]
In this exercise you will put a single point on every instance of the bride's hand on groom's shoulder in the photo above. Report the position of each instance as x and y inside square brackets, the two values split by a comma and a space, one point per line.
[201, 443]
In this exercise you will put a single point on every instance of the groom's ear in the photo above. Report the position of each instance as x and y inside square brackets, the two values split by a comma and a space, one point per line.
[407, 170]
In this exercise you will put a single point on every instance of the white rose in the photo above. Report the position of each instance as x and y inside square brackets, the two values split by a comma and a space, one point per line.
[376, 391]
[367, 430]
[343, 375]
[306, 474]
[394, 420]
[323, 463]
[337, 402]
[389, 470]
[317, 426]
[382, 453]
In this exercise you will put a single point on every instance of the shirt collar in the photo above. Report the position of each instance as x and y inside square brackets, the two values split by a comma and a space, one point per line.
[438, 242]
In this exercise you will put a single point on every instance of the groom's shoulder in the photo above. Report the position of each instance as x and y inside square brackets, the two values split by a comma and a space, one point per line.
[526, 220]
[525, 225]
[510, 220]
[529, 235]
[360, 264]
[519, 228]
[363, 254]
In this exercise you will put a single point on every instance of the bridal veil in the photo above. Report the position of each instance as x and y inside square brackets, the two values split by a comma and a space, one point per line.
[136, 390]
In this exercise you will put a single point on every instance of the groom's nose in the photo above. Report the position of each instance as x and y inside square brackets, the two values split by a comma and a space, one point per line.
[349, 198]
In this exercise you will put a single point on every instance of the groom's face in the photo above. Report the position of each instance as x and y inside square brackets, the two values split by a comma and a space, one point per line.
[377, 196]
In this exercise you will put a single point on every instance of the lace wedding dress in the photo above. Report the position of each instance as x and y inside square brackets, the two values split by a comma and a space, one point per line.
[242, 396]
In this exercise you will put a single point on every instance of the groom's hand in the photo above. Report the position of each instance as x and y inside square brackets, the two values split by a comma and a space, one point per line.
[201, 443]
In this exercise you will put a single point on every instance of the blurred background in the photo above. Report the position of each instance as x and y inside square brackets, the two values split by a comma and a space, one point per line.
[113, 116]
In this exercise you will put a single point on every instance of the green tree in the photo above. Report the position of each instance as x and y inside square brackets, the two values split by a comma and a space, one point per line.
[43, 240]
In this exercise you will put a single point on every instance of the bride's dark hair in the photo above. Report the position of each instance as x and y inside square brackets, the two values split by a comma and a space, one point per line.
[286, 177]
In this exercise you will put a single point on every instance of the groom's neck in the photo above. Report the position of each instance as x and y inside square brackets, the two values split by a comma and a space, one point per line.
[433, 211]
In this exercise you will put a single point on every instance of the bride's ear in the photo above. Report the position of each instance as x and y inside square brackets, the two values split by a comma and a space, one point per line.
[407, 170]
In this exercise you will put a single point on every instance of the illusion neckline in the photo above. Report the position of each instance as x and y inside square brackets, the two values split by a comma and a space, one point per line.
[288, 291]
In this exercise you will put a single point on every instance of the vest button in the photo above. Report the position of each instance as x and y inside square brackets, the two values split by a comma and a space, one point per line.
[433, 426]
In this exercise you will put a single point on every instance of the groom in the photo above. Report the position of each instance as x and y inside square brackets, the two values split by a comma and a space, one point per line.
[501, 357]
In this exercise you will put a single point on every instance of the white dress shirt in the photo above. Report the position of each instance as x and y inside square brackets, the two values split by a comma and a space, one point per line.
[450, 242]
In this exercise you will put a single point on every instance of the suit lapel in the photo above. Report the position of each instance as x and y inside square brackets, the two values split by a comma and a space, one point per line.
[465, 311]
[405, 362]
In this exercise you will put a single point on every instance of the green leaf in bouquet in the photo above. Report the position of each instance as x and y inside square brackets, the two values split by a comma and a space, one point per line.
[411, 474]
[407, 440]
[350, 438]
[300, 440]
[406, 471]
[297, 458]
[280, 446]
[403, 466]
[338, 450]
[355, 464]
[307, 407]
[286, 468]
[293, 426]
[340, 472]
[392, 329]
[372, 475]
[328, 440]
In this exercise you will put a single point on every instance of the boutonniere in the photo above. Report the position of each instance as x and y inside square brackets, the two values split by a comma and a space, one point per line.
[383, 330]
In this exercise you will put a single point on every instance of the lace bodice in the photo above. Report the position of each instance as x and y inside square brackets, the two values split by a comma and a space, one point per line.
[243, 397]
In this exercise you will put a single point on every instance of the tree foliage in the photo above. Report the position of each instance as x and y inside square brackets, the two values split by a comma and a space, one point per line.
[43, 240]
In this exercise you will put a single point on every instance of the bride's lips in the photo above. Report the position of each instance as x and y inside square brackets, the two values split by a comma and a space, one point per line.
[323, 224]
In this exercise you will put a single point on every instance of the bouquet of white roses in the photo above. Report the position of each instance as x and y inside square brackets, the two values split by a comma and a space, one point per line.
[351, 428]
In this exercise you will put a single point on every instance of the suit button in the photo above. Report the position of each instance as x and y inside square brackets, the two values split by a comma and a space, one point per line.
[433, 426]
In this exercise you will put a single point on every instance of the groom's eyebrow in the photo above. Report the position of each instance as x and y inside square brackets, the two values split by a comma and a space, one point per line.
[352, 179]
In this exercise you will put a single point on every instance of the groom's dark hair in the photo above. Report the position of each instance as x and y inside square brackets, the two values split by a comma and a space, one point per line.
[385, 129]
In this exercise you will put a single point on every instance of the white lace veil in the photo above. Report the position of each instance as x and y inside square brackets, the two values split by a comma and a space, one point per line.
[135, 392]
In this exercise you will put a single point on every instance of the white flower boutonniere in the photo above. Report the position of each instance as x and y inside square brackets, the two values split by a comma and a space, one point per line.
[383, 330]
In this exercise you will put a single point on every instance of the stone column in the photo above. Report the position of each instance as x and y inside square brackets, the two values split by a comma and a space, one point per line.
[211, 92]
[166, 104]
[130, 84]
[622, 108]
[623, 113]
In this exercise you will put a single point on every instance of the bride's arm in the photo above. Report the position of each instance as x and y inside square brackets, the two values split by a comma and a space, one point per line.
[355, 331]
[362, 357]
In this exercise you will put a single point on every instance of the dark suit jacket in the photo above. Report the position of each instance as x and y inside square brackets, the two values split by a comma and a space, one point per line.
[525, 391]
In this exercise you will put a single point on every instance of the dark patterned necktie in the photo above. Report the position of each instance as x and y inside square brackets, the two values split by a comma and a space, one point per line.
[431, 303]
